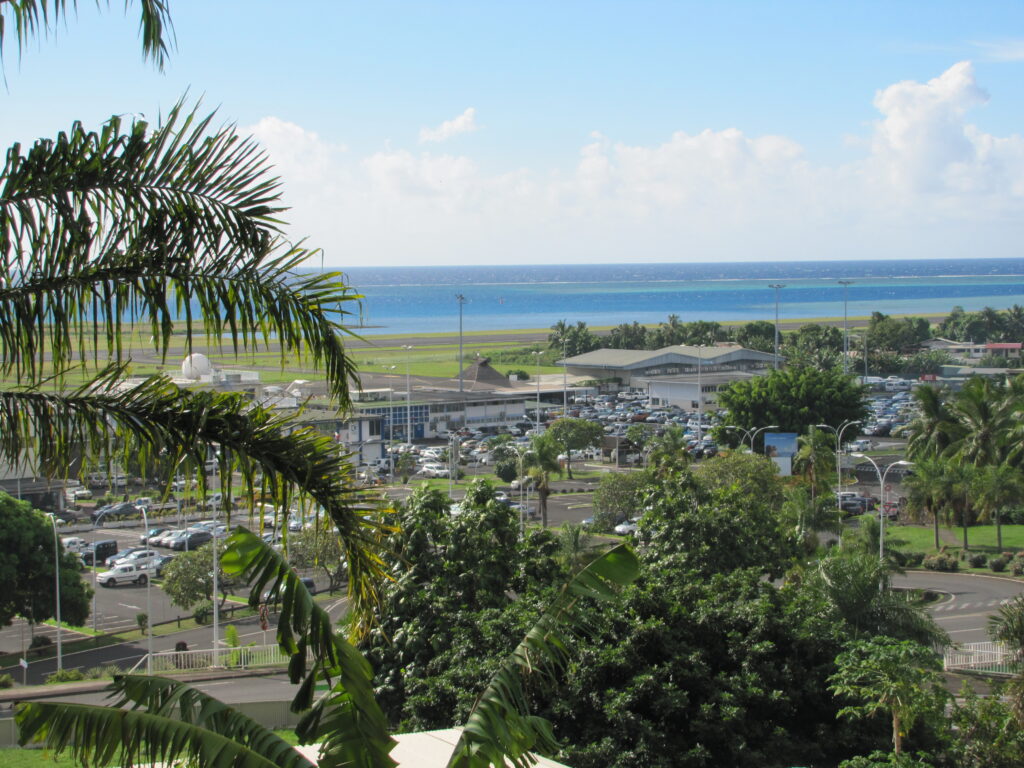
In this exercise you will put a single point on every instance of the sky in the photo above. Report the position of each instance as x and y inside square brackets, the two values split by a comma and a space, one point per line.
[438, 133]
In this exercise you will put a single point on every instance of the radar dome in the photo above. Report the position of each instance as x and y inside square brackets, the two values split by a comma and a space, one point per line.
[195, 366]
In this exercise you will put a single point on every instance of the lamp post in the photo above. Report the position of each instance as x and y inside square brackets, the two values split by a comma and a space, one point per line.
[408, 396]
[460, 299]
[881, 506]
[149, 603]
[565, 382]
[838, 432]
[537, 354]
[391, 429]
[751, 434]
[700, 394]
[846, 328]
[56, 582]
[777, 287]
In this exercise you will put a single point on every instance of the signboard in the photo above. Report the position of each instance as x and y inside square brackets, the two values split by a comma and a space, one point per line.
[780, 447]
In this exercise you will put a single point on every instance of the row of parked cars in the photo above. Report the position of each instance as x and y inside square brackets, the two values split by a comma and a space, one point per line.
[184, 539]
[133, 565]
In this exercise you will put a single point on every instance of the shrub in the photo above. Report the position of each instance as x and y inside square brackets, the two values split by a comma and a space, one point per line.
[6, 681]
[1017, 566]
[102, 673]
[941, 562]
[914, 559]
[978, 561]
[65, 676]
[203, 611]
[998, 564]
[40, 641]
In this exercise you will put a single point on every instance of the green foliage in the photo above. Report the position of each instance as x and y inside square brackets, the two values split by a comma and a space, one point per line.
[759, 335]
[998, 564]
[65, 676]
[896, 334]
[142, 620]
[202, 611]
[1007, 627]
[987, 731]
[405, 466]
[900, 677]
[793, 398]
[27, 561]
[319, 547]
[573, 435]
[6, 681]
[941, 561]
[188, 578]
[618, 496]
[572, 339]
[507, 470]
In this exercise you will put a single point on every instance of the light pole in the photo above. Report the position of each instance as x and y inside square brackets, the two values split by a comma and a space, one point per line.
[751, 434]
[56, 582]
[777, 287]
[537, 354]
[881, 506]
[391, 428]
[149, 602]
[700, 393]
[408, 396]
[838, 432]
[565, 382]
[846, 328]
[461, 300]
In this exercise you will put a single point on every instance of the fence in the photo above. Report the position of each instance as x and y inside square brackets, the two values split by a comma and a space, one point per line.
[991, 658]
[244, 657]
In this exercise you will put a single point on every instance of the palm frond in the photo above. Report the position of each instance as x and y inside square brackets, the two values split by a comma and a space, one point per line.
[102, 231]
[155, 415]
[35, 18]
[99, 735]
[499, 726]
[347, 719]
[164, 697]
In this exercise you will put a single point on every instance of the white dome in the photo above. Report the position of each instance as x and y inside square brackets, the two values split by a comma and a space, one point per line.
[196, 366]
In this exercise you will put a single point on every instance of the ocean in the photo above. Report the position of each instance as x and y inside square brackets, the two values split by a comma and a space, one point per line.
[423, 299]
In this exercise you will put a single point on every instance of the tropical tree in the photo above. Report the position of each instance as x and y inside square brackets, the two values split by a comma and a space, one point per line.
[900, 677]
[667, 452]
[996, 487]
[815, 460]
[979, 409]
[575, 435]
[155, 719]
[541, 463]
[934, 428]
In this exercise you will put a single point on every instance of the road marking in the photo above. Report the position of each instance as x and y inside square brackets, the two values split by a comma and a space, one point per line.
[125, 605]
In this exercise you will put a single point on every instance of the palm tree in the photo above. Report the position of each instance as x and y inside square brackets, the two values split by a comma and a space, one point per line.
[925, 487]
[934, 428]
[815, 459]
[157, 719]
[996, 487]
[541, 463]
[169, 233]
[980, 411]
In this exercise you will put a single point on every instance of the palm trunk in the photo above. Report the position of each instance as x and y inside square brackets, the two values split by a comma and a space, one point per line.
[897, 737]
[935, 517]
[542, 497]
[963, 521]
[568, 464]
[999, 532]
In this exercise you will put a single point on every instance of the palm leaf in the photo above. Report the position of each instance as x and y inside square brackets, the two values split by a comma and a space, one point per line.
[157, 416]
[33, 18]
[347, 719]
[98, 735]
[499, 726]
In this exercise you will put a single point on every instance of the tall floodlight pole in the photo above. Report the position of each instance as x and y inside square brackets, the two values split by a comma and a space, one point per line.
[537, 353]
[846, 326]
[700, 394]
[838, 431]
[56, 583]
[777, 287]
[391, 429]
[881, 506]
[408, 396]
[565, 382]
[149, 602]
[461, 300]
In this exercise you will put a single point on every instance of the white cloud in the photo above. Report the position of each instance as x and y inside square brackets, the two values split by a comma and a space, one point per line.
[923, 181]
[464, 123]
[1002, 50]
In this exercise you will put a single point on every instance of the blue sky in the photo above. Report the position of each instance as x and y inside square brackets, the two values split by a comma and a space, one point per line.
[446, 133]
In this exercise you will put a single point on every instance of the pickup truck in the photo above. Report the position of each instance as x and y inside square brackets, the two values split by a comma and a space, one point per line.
[120, 574]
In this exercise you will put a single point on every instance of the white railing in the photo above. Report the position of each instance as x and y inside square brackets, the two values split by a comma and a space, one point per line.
[244, 657]
[993, 658]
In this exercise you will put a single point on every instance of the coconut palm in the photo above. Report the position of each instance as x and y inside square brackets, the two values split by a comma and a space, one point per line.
[996, 487]
[156, 719]
[934, 428]
[540, 463]
[981, 413]
[925, 486]
[815, 460]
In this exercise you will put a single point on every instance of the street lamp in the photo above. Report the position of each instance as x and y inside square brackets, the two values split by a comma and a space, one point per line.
[565, 381]
[777, 287]
[838, 432]
[149, 602]
[536, 353]
[391, 427]
[751, 434]
[408, 396]
[56, 581]
[460, 299]
[881, 507]
[700, 394]
[846, 328]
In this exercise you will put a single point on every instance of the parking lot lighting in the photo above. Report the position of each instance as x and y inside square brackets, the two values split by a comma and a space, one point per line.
[881, 506]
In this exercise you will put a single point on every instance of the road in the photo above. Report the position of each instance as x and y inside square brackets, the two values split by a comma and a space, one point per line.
[971, 600]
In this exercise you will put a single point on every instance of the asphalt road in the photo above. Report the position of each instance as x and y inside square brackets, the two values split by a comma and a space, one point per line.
[971, 600]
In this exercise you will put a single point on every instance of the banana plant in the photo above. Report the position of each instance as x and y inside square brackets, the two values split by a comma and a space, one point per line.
[159, 719]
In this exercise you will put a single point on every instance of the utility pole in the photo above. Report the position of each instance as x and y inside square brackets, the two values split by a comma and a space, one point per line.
[461, 300]
[777, 287]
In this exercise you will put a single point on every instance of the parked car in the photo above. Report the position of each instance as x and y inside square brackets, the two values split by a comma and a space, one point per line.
[152, 533]
[74, 543]
[112, 560]
[158, 565]
[627, 528]
[116, 511]
[191, 539]
[99, 551]
[140, 558]
[121, 574]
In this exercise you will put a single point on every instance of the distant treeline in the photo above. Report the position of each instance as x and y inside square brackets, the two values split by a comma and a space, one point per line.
[891, 343]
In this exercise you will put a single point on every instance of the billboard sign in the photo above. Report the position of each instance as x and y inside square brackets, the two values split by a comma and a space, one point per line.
[780, 447]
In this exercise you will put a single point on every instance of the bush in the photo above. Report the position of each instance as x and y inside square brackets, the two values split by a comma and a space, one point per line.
[1017, 567]
[941, 562]
[65, 676]
[519, 373]
[40, 641]
[978, 561]
[914, 559]
[6, 681]
[998, 564]
[103, 673]
[203, 611]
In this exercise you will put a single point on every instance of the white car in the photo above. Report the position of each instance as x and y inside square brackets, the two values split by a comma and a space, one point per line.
[74, 544]
[627, 528]
[121, 574]
[141, 558]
